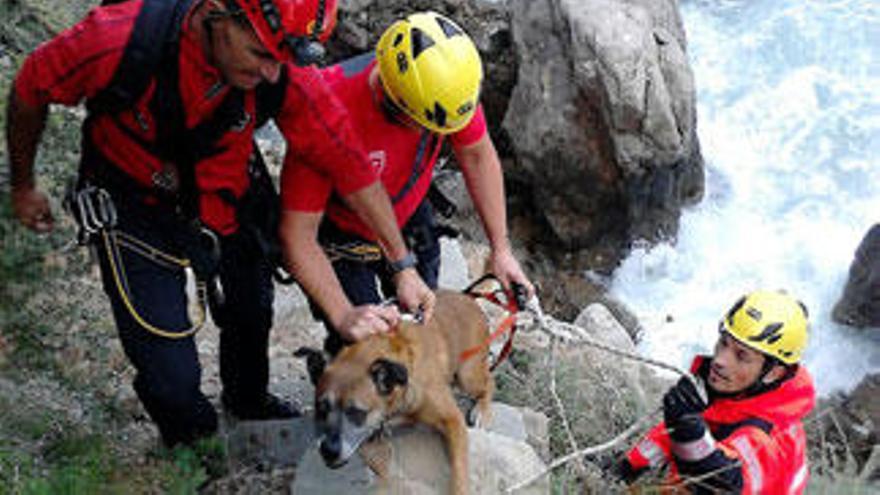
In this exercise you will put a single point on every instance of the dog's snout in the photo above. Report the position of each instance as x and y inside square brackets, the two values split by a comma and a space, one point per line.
[331, 450]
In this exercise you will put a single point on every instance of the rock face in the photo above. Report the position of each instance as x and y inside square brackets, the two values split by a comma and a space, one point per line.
[859, 305]
[602, 117]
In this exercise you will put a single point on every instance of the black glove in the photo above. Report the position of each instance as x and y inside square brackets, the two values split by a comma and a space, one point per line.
[682, 406]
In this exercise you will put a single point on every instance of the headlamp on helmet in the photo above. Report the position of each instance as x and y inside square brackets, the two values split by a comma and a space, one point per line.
[292, 30]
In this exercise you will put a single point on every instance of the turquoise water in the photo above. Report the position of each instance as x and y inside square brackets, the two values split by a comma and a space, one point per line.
[789, 123]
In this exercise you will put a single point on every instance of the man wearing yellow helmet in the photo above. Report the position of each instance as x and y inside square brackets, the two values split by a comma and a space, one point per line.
[746, 435]
[421, 86]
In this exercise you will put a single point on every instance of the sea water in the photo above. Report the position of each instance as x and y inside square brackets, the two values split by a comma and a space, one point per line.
[788, 96]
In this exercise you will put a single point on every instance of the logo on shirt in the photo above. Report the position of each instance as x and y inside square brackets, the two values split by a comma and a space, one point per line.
[377, 160]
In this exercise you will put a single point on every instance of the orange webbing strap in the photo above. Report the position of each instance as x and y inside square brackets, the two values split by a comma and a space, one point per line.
[507, 325]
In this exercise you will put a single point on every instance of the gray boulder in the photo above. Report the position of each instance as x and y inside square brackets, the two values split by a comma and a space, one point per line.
[603, 117]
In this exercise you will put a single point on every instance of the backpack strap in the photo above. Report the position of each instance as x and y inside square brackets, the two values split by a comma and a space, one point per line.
[270, 97]
[157, 20]
[427, 147]
[357, 64]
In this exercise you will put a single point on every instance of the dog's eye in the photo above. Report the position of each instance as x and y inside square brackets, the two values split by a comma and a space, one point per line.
[322, 409]
[356, 415]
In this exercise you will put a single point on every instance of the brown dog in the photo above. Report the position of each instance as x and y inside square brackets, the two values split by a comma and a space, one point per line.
[405, 377]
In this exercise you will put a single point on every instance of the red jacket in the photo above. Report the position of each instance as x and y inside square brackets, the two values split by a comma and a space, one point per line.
[772, 462]
[79, 62]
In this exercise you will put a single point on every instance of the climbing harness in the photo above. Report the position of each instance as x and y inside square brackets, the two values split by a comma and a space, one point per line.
[512, 301]
[95, 213]
[358, 251]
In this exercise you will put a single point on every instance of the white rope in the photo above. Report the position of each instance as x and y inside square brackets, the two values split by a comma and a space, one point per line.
[574, 334]
[577, 335]
[595, 449]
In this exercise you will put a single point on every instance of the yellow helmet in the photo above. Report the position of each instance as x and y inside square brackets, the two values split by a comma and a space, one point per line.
[771, 322]
[431, 69]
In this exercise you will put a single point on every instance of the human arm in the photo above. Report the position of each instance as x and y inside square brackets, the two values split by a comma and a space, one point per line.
[24, 128]
[705, 465]
[485, 182]
[374, 207]
[325, 141]
[72, 66]
[306, 260]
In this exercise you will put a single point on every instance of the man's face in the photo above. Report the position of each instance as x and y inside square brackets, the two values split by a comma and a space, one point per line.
[241, 57]
[735, 367]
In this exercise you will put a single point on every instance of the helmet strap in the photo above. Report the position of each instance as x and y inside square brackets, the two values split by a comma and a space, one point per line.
[760, 387]
[390, 110]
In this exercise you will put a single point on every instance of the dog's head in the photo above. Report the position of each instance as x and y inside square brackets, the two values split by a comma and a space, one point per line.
[353, 399]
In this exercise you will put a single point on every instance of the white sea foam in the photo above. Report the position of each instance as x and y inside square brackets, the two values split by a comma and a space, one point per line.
[789, 122]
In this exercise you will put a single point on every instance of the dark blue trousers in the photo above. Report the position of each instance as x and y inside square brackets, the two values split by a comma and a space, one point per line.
[168, 371]
[371, 282]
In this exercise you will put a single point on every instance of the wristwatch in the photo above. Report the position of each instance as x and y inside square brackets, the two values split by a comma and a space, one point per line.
[408, 261]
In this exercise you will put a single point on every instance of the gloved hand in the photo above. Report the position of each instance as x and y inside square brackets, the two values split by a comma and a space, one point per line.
[682, 406]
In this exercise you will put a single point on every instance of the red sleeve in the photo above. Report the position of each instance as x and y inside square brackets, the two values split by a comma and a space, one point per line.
[302, 187]
[652, 451]
[316, 127]
[80, 61]
[759, 457]
[472, 132]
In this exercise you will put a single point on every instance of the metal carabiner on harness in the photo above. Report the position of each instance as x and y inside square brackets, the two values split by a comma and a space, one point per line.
[211, 244]
[93, 209]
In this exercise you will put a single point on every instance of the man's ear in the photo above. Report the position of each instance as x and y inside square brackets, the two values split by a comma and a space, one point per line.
[387, 375]
[315, 362]
[775, 374]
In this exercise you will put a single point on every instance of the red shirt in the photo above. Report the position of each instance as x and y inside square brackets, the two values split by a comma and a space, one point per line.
[391, 147]
[774, 462]
[79, 62]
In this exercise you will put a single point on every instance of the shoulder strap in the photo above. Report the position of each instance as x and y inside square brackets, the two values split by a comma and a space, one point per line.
[428, 143]
[355, 65]
[155, 32]
[270, 97]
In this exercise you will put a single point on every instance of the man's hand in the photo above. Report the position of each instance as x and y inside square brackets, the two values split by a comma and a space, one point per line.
[361, 322]
[413, 294]
[31, 207]
[503, 264]
[682, 406]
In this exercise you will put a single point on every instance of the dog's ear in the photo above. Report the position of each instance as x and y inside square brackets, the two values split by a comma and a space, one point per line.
[315, 362]
[387, 375]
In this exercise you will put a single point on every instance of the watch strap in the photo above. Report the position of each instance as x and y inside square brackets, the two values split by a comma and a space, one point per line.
[408, 261]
